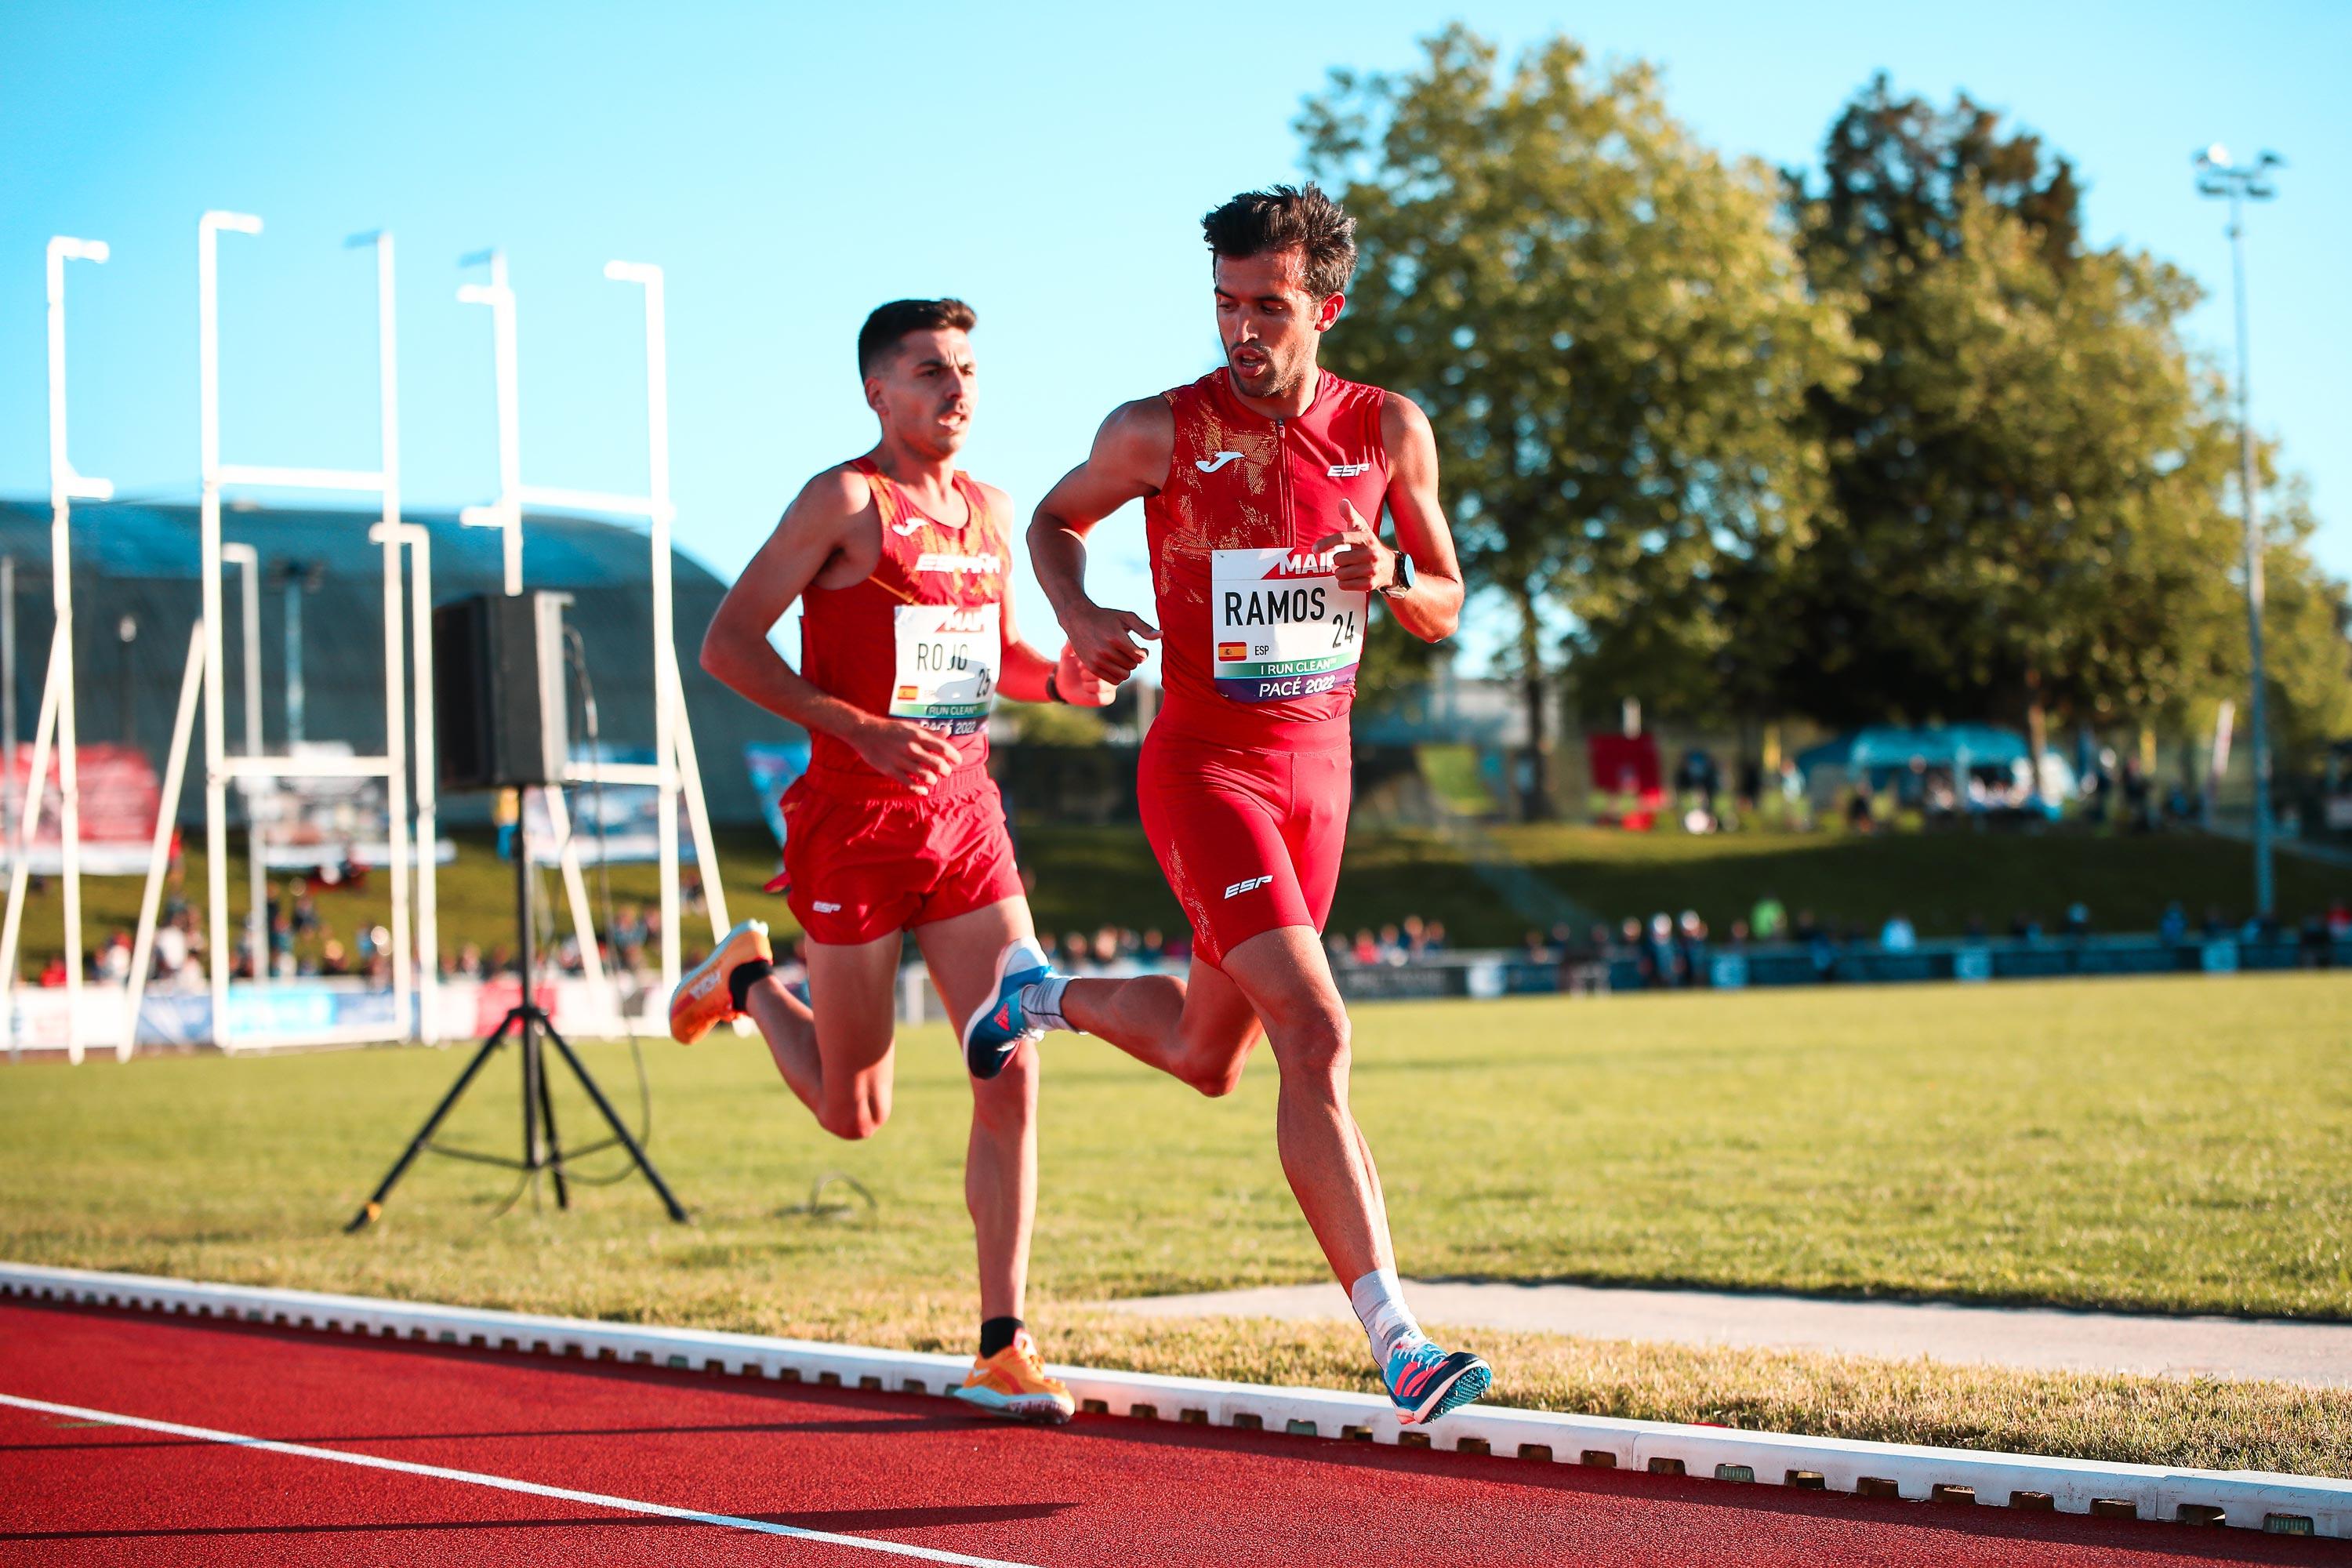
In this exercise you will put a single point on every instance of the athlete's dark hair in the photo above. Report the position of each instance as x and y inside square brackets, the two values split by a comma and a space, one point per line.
[892, 322]
[1288, 218]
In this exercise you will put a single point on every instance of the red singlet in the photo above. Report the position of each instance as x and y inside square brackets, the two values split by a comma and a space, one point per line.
[1244, 500]
[919, 639]
[1244, 777]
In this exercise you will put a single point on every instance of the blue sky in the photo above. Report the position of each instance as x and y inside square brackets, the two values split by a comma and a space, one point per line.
[793, 166]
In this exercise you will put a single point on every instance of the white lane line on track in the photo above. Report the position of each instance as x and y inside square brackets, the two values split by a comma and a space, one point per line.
[504, 1484]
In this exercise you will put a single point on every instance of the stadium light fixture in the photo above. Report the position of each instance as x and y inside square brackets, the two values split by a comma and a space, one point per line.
[2238, 183]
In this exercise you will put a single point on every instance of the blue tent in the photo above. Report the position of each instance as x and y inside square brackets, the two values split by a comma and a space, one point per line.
[1885, 748]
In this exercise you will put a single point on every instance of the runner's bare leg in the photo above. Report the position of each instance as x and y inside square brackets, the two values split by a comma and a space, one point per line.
[999, 1173]
[1201, 1029]
[1287, 980]
[837, 1058]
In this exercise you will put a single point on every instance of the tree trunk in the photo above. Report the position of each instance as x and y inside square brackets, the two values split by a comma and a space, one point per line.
[2037, 727]
[1535, 785]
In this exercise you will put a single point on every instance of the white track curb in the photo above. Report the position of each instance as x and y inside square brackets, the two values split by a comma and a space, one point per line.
[2254, 1500]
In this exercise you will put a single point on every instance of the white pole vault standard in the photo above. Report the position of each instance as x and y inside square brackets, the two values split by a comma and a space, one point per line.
[175, 770]
[247, 560]
[28, 816]
[419, 541]
[56, 721]
[385, 482]
[659, 510]
[500, 1483]
[395, 708]
[674, 766]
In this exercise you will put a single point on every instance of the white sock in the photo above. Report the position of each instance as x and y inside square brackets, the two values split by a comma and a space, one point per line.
[1379, 1306]
[1042, 1005]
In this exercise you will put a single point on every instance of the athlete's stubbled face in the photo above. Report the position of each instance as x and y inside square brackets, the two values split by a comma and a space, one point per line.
[1269, 321]
[924, 394]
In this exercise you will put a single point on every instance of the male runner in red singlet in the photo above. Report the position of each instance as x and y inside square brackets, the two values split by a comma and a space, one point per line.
[1261, 485]
[900, 563]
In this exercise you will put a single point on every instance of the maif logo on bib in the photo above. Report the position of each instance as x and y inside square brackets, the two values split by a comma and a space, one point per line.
[945, 677]
[1281, 625]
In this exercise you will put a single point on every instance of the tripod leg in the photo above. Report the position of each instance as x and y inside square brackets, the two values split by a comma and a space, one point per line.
[534, 1073]
[613, 1119]
[375, 1205]
[555, 1148]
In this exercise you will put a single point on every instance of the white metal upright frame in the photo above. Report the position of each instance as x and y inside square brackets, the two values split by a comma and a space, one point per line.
[56, 721]
[392, 766]
[675, 767]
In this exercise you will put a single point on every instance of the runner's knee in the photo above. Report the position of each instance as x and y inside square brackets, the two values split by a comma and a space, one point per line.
[857, 1116]
[1009, 1099]
[1214, 1076]
[1313, 1040]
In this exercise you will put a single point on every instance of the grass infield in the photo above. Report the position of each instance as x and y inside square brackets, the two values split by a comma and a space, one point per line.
[2172, 1145]
[1087, 875]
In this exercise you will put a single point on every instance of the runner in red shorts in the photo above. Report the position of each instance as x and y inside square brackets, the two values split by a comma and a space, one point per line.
[1260, 485]
[900, 563]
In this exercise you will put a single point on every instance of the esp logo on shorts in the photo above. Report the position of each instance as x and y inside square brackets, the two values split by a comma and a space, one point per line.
[1245, 885]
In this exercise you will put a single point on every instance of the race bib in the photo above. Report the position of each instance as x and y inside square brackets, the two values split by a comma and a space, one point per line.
[946, 674]
[1282, 626]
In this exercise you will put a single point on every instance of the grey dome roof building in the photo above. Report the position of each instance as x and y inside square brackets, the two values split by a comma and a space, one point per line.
[137, 566]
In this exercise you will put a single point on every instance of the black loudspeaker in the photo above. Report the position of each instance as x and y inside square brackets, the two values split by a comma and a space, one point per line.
[498, 719]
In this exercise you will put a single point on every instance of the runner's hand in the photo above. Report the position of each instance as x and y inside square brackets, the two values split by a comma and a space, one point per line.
[1076, 685]
[1361, 562]
[1104, 640]
[914, 755]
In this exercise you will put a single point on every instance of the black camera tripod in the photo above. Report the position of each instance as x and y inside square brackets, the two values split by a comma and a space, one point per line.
[527, 1023]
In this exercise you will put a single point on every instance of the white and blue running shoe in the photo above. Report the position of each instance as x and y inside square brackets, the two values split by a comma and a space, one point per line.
[1426, 1382]
[992, 1033]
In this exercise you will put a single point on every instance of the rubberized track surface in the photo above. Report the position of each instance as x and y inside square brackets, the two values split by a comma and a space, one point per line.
[888, 1472]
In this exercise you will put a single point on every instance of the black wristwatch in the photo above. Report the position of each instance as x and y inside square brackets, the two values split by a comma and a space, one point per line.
[1403, 583]
[1052, 688]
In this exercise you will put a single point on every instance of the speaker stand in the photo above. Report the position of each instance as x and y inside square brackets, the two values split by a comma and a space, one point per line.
[529, 1024]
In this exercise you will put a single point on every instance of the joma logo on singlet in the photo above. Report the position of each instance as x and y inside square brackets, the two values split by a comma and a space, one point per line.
[1246, 884]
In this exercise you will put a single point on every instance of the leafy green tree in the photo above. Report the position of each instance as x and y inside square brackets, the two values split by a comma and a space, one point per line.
[2032, 473]
[1608, 329]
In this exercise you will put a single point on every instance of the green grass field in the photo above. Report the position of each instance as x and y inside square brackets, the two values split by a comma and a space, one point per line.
[2169, 1146]
[1090, 876]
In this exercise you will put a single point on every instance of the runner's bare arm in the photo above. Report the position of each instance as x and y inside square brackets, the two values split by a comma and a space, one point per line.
[1433, 607]
[1129, 461]
[1024, 670]
[823, 519]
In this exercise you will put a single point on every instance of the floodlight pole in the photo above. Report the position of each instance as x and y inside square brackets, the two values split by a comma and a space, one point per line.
[2239, 184]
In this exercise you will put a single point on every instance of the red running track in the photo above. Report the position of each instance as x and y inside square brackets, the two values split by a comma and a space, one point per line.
[883, 1469]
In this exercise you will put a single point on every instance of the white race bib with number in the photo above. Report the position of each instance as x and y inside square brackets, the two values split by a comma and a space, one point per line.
[1281, 625]
[946, 672]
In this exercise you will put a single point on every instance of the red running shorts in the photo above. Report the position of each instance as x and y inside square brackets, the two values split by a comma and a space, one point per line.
[1249, 840]
[864, 859]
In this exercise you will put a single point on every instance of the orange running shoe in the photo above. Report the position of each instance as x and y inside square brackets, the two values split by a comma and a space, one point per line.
[704, 1000]
[1014, 1382]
